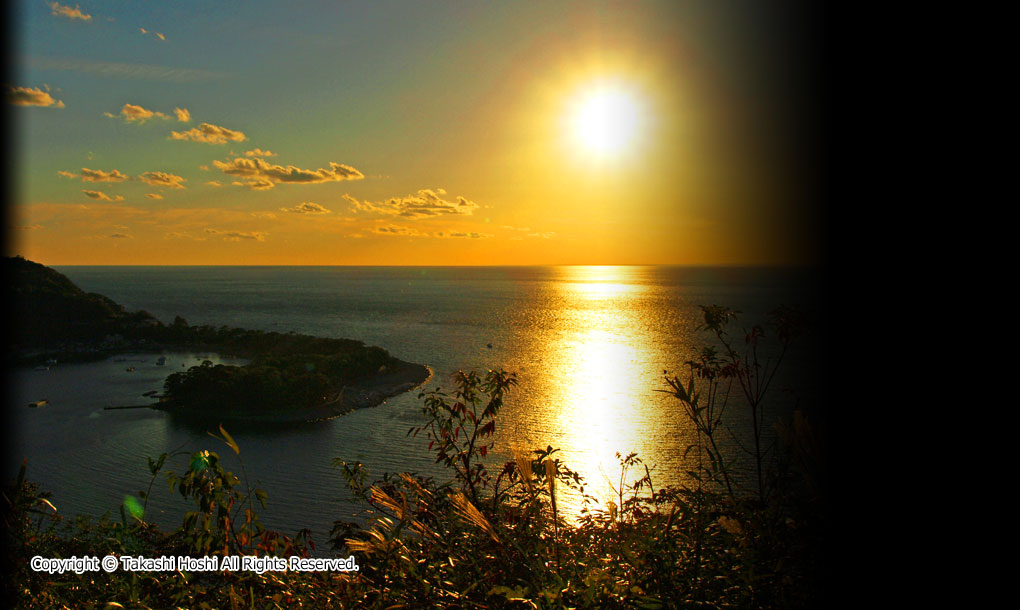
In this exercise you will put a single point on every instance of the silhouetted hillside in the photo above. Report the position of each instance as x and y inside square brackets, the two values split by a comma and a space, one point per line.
[48, 310]
[54, 319]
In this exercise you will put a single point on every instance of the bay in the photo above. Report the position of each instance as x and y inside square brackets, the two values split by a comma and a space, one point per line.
[589, 345]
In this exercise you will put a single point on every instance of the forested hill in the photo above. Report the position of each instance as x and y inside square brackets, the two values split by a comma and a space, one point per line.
[54, 319]
[48, 310]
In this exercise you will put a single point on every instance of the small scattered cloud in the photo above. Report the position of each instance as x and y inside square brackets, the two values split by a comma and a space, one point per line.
[213, 183]
[259, 184]
[66, 11]
[209, 134]
[258, 152]
[101, 196]
[95, 175]
[98, 175]
[132, 113]
[425, 203]
[121, 236]
[34, 227]
[182, 235]
[263, 175]
[32, 96]
[307, 208]
[153, 195]
[462, 235]
[269, 215]
[238, 235]
[398, 231]
[163, 179]
[182, 115]
[156, 34]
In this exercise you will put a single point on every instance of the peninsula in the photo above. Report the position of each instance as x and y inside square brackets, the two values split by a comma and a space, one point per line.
[290, 376]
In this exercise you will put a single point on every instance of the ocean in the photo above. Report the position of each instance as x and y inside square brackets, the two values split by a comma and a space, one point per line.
[589, 345]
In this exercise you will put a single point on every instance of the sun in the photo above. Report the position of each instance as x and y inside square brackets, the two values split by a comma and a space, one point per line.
[606, 119]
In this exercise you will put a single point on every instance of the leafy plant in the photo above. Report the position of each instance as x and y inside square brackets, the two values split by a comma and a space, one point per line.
[460, 427]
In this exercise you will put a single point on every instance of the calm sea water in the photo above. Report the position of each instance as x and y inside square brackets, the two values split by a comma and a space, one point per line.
[589, 345]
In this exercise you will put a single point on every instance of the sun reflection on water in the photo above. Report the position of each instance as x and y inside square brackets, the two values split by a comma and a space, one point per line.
[602, 362]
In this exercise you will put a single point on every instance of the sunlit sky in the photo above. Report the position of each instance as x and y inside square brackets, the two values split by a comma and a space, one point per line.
[409, 133]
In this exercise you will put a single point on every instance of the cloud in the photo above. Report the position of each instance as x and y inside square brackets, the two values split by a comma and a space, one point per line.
[182, 114]
[153, 195]
[209, 134]
[34, 227]
[180, 235]
[101, 196]
[258, 152]
[238, 235]
[269, 215]
[213, 183]
[66, 11]
[158, 34]
[121, 236]
[136, 114]
[307, 208]
[163, 179]
[146, 221]
[426, 203]
[401, 231]
[98, 175]
[471, 235]
[262, 175]
[28, 96]
[95, 175]
[259, 184]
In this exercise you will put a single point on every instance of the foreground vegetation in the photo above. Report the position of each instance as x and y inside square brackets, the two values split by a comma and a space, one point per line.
[489, 537]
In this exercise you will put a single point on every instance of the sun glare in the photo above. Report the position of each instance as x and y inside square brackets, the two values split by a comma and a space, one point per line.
[606, 119]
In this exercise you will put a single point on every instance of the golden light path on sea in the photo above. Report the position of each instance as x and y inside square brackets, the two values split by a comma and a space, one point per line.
[603, 364]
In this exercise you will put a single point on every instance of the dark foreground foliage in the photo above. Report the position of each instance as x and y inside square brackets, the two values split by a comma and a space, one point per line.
[488, 537]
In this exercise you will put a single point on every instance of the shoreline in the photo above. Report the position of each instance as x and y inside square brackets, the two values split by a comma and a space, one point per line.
[370, 392]
[364, 393]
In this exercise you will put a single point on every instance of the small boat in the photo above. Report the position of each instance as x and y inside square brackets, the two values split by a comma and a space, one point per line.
[38, 403]
[161, 361]
[130, 369]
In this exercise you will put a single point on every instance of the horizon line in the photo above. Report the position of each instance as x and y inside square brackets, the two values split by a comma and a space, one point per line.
[690, 265]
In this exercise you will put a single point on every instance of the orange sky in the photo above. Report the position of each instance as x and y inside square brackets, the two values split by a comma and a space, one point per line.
[382, 134]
